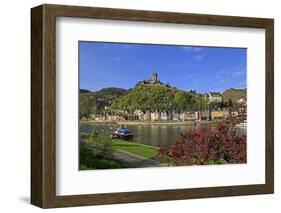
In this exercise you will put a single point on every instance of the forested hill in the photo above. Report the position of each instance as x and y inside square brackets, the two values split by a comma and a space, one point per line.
[111, 91]
[84, 91]
[94, 102]
[156, 97]
[234, 94]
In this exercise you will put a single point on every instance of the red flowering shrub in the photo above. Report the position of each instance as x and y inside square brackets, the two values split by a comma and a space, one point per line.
[218, 145]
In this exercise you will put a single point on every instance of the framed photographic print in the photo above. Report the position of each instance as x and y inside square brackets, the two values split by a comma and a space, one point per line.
[136, 106]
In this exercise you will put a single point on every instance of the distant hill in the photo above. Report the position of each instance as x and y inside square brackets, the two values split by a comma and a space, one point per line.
[93, 102]
[115, 91]
[84, 91]
[234, 94]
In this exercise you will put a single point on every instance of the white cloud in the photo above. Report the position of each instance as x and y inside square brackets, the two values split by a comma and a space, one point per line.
[232, 72]
[223, 81]
[193, 49]
[190, 76]
[238, 71]
[196, 52]
[129, 46]
[242, 84]
[220, 73]
[198, 56]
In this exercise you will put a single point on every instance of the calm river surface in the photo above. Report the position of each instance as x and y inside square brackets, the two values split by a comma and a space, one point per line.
[155, 135]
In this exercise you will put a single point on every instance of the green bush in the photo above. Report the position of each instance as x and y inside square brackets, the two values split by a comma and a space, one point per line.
[97, 152]
[84, 135]
[101, 144]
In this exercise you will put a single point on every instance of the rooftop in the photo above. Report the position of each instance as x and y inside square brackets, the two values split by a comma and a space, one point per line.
[215, 94]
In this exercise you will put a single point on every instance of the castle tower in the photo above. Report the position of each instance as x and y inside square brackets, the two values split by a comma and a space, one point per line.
[155, 77]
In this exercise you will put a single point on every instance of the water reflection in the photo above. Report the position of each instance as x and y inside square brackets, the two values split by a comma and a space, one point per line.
[155, 135]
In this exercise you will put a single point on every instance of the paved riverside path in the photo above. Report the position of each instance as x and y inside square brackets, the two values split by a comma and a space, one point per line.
[134, 160]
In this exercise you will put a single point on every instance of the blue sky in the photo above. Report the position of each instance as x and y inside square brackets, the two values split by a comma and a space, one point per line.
[203, 69]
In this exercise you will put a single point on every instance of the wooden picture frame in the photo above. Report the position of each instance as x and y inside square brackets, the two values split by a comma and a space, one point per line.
[43, 105]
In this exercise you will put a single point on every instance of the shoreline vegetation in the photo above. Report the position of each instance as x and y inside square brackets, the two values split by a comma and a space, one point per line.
[105, 153]
[219, 145]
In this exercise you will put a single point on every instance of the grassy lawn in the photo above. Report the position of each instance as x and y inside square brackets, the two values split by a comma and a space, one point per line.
[142, 150]
[88, 160]
[138, 149]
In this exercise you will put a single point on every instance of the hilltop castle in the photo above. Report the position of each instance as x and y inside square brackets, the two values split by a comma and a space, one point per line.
[154, 80]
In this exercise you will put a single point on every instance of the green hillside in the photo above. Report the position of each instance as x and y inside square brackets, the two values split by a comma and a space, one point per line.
[157, 97]
[234, 94]
[146, 97]
[150, 97]
[94, 102]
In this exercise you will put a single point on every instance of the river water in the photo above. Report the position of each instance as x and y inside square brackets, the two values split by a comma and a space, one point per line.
[155, 135]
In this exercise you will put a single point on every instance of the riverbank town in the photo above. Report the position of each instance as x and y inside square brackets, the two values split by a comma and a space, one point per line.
[152, 101]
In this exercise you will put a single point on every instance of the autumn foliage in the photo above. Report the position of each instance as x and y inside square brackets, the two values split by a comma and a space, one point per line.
[218, 145]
